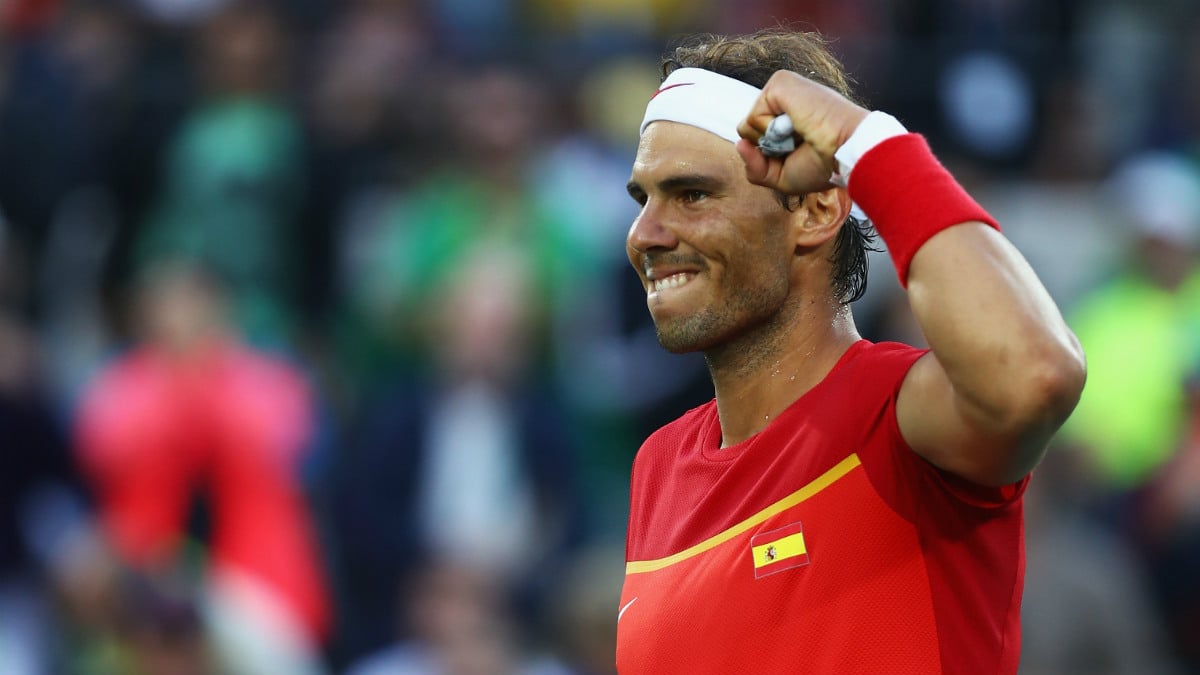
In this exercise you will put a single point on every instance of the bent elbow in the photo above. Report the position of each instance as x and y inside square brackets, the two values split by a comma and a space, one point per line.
[1039, 396]
[1058, 381]
[1048, 395]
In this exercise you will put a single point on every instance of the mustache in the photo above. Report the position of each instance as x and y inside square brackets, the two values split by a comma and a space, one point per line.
[671, 259]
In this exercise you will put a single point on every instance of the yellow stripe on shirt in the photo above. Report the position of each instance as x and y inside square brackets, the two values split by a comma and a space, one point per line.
[819, 483]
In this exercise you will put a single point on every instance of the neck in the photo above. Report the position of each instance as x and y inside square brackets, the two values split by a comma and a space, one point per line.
[760, 374]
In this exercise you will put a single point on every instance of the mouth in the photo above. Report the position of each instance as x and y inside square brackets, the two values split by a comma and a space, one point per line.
[666, 275]
[671, 281]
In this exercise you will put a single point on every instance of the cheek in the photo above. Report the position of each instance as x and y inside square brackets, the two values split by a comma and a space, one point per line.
[765, 253]
[765, 273]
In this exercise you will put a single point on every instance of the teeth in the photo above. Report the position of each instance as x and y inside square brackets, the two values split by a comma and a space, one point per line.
[673, 281]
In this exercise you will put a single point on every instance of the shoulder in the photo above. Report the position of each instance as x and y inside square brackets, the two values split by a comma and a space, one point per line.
[883, 354]
[871, 370]
[906, 481]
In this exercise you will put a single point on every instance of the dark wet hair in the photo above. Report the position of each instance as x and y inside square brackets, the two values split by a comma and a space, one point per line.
[753, 59]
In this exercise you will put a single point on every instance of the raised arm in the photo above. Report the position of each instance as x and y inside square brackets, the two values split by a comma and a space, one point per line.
[1004, 370]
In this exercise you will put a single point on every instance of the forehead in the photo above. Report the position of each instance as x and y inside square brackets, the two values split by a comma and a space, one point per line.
[673, 147]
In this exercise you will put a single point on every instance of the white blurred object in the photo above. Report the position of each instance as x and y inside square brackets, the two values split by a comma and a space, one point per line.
[1159, 192]
[252, 630]
[988, 102]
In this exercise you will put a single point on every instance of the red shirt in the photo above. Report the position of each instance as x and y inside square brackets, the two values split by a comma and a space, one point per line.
[821, 545]
[153, 429]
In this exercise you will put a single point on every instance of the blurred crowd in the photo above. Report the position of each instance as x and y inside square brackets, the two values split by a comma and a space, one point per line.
[319, 352]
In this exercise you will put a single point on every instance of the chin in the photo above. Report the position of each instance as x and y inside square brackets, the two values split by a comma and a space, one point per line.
[677, 348]
[681, 340]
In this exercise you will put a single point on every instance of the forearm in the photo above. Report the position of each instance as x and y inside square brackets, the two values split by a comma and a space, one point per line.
[996, 332]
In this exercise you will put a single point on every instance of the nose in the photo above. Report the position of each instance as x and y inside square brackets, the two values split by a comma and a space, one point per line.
[649, 231]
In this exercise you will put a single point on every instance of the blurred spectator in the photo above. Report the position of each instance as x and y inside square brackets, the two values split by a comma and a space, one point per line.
[470, 462]
[483, 189]
[584, 628]
[1087, 607]
[234, 187]
[41, 504]
[88, 589]
[457, 623]
[165, 629]
[191, 412]
[1171, 532]
[1184, 128]
[121, 621]
[39, 122]
[83, 110]
[1141, 329]
[370, 117]
[369, 99]
[367, 89]
[576, 33]
[479, 31]
[846, 21]
[1136, 58]
[1072, 148]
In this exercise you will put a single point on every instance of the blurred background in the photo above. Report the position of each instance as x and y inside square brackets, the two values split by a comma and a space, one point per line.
[319, 351]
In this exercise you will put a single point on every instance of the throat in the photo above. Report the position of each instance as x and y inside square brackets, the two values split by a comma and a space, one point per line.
[753, 390]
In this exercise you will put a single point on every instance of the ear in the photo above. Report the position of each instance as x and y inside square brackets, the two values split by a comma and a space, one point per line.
[820, 215]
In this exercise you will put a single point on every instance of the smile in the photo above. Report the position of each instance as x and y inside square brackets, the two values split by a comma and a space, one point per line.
[673, 281]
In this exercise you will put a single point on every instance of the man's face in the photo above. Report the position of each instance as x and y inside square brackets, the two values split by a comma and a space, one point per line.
[713, 251]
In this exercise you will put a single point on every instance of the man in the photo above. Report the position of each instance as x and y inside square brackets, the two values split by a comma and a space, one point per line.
[841, 506]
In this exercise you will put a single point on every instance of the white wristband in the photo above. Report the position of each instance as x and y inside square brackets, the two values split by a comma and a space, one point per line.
[874, 129]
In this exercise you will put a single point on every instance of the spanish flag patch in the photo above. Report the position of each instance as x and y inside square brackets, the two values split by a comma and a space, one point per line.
[779, 549]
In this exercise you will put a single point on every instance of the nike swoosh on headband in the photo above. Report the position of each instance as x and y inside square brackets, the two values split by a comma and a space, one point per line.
[671, 86]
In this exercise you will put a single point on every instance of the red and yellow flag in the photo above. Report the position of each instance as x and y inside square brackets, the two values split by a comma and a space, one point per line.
[779, 549]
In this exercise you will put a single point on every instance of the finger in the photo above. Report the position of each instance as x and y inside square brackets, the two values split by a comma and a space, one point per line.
[752, 128]
[755, 124]
[755, 127]
[783, 83]
[760, 170]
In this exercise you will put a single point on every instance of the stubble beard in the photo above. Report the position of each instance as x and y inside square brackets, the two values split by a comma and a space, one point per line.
[719, 327]
[694, 333]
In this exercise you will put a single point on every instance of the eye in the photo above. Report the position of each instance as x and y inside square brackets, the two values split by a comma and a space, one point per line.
[692, 196]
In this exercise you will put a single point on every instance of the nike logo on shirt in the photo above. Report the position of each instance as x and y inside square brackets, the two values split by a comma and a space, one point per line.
[622, 612]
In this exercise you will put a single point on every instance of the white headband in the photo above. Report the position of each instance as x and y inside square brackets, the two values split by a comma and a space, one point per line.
[704, 99]
[709, 101]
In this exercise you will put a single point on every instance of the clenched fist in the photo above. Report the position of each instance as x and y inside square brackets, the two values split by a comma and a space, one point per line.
[822, 120]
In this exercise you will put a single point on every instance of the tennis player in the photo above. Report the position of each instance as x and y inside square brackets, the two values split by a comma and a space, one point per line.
[841, 506]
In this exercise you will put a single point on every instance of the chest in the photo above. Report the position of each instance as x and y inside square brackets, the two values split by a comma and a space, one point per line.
[813, 575]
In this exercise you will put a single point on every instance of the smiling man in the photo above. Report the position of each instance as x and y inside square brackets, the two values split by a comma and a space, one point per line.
[840, 506]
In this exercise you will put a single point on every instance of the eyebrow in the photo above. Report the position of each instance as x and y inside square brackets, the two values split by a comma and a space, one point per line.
[691, 181]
